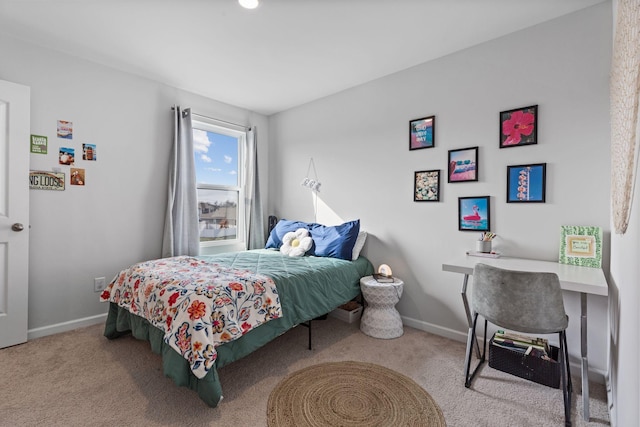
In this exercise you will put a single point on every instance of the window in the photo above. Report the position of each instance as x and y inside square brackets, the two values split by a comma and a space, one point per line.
[219, 161]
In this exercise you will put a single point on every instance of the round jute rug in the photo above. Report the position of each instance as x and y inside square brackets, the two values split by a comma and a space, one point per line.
[351, 394]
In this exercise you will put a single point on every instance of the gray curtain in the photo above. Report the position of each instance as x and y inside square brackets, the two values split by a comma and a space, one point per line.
[254, 218]
[181, 234]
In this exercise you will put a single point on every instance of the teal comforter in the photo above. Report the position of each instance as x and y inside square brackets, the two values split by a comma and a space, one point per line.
[308, 287]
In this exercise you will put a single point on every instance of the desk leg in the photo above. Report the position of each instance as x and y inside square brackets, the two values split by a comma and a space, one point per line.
[583, 353]
[467, 311]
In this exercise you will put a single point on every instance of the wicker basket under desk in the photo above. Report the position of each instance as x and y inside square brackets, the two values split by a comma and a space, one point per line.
[531, 368]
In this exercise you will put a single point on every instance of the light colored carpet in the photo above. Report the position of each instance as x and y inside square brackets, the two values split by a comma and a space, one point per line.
[80, 378]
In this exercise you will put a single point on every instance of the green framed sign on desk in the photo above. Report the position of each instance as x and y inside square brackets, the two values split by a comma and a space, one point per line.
[581, 245]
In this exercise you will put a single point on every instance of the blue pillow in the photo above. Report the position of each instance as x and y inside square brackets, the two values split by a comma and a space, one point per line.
[334, 241]
[283, 227]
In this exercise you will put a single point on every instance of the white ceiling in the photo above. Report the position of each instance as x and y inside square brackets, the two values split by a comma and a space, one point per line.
[282, 54]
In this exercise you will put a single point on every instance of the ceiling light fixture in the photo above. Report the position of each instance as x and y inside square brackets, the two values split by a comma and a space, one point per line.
[248, 4]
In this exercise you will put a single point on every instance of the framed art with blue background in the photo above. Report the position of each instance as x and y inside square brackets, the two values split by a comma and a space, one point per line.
[422, 133]
[474, 213]
[526, 183]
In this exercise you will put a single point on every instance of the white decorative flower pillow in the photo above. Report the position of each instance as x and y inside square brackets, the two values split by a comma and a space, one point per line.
[296, 243]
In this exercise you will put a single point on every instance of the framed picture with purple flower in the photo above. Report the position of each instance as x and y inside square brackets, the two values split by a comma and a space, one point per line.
[463, 165]
[519, 127]
[526, 183]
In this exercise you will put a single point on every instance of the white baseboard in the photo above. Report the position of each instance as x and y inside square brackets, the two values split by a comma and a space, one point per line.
[435, 329]
[595, 375]
[65, 326]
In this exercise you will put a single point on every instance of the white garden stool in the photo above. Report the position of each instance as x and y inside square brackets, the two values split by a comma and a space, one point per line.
[380, 318]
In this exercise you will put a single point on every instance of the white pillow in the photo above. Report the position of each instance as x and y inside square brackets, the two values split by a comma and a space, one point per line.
[357, 247]
[296, 243]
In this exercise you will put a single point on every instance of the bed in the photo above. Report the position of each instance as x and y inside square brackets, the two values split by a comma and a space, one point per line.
[306, 288]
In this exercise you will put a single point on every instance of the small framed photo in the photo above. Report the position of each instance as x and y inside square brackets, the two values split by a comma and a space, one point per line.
[77, 176]
[39, 144]
[89, 152]
[463, 165]
[426, 186]
[66, 156]
[474, 213]
[519, 127]
[581, 245]
[422, 133]
[526, 183]
[65, 129]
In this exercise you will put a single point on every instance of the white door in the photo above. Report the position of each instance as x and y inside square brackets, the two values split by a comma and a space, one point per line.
[14, 212]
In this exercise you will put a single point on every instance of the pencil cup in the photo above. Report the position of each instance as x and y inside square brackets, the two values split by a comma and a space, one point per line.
[483, 246]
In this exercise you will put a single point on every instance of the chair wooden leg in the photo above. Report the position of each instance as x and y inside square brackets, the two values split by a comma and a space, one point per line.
[471, 337]
[565, 376]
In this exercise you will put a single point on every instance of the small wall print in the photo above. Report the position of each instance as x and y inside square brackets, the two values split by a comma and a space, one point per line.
[422, 133]
[38, 144]
[463, 165]
[474, 213]
[519, 127]
[526, 183]
[65, 129]
[426, 186]
[89, 152]
[66, 156]
[77, 176]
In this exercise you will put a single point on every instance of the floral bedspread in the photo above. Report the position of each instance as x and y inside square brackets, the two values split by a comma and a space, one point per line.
[199, 305]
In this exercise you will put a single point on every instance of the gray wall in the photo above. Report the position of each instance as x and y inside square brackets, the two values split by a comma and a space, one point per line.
[359, 142]
[118, 217]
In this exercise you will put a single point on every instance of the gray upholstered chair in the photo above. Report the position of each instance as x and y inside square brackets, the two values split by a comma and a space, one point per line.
[520, 301]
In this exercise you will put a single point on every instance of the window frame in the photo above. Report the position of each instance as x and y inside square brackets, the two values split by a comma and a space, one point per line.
[241, 135]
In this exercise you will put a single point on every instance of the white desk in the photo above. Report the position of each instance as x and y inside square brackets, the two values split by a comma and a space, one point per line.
[585, 280]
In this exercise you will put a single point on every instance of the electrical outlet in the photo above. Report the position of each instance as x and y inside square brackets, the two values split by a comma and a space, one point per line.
[99, 284]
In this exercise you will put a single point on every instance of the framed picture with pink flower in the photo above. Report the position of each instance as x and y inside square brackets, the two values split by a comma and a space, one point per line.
[519, 127]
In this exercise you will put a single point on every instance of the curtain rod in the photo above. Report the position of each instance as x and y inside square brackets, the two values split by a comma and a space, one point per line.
[221, 121]
[218, 120]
